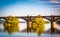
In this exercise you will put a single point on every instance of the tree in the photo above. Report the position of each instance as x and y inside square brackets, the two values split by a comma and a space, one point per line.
[11, 24]
[37, 25]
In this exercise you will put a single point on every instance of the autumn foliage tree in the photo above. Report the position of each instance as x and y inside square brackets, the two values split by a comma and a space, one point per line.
[37, 25]
[11, 24]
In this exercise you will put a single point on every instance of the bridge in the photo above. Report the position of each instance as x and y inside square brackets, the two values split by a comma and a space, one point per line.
[28, 18]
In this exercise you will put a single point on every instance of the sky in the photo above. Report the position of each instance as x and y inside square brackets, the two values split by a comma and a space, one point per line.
[29, 7]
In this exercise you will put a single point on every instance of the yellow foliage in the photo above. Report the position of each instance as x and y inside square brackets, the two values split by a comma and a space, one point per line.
[11, 24]
[37, 25]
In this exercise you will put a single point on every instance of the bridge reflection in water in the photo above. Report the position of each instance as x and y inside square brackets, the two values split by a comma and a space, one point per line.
[28, 18]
